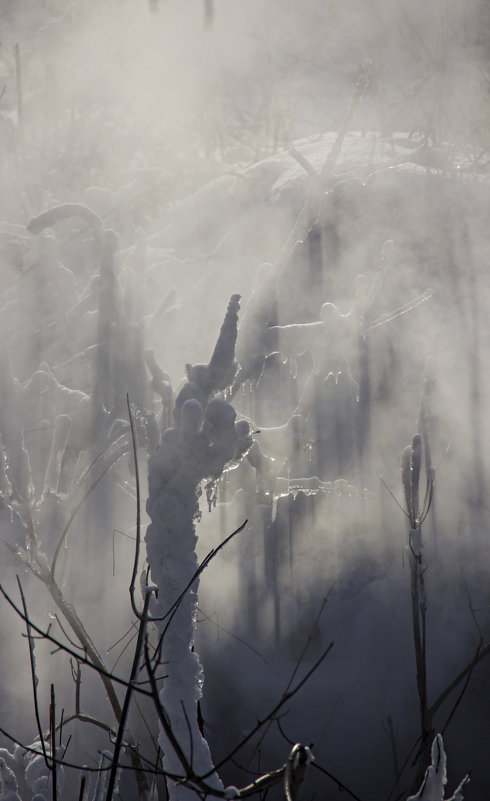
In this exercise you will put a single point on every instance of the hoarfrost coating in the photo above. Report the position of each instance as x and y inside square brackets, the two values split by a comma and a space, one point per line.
[203, 441]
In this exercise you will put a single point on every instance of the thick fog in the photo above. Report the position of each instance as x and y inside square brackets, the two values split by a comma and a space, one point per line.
[281, 208]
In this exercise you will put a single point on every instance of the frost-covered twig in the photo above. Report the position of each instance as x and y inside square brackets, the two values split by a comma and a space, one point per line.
[435, 778]
[298, 760]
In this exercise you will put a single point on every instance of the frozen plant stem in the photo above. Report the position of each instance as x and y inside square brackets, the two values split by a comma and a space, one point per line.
[411, 460]
[204, 439]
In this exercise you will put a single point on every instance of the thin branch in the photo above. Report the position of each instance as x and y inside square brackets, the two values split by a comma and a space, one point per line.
[149, 731]
[173, 609]
[52, 728]
[33, 674]
[72, 642]
[77, 678]
[463, 690]
[263, 782]
[77, 508]
[138, 513]
[78, 767]
[127, 699]
[296, 668]
[62, 647]
[405, 763]
[230, 633]
[282, 733]
[189, 731]
[135, 634]
[62, 721]
[123, 637]
[385, 485]
[83, 717]
[483, 652]
[342, 787]
[470, 606]
[273, 713]
[66, 746]
[389, 729]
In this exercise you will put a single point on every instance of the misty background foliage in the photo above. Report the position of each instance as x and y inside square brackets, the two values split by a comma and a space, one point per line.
[325, 167]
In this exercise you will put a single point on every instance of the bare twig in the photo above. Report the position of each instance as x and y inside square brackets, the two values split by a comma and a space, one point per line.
[463, 689]
[127, 699]
[173, 609]
[342, 787]
[33, 674]
[390, 732]
[75, 511]
[230, 633]
[482, 653]
[138, 514]
[273, 713]
[62, 647]
[52, 728]
[296, 668]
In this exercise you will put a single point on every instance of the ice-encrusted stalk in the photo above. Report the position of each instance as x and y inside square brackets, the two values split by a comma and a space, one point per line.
[202, 442]
[411, 461]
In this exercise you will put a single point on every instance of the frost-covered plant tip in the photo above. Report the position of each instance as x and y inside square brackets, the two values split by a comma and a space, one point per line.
[435, 780]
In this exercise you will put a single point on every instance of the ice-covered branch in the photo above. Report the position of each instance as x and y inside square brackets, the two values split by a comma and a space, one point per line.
[205, 438]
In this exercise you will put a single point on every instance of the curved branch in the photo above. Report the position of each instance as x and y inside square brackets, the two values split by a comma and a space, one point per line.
[138, 516]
